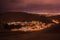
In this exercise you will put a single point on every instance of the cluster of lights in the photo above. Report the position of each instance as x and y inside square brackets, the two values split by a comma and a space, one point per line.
[30, 26]
[55, 21]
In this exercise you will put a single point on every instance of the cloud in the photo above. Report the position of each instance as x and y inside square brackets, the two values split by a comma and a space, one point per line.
[27, 2]
[42, 1]
[30, 5]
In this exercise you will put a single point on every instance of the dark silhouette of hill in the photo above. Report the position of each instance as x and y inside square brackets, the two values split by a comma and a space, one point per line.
[57, 17]
[21, 16]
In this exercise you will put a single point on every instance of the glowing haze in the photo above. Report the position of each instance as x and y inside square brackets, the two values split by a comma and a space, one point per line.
[30, 6]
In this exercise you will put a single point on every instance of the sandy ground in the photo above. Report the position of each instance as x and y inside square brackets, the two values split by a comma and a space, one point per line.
[29, 36]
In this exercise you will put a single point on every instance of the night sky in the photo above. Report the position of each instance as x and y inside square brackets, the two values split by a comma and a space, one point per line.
[30, 6]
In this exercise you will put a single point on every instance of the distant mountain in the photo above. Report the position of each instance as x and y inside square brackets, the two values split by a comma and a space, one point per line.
[22, 16]
[55, 17]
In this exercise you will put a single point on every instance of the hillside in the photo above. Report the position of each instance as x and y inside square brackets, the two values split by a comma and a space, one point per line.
[21, 16]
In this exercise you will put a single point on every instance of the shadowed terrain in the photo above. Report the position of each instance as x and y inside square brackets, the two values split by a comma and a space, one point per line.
[21, 16]
[51, 33]
[29, 36]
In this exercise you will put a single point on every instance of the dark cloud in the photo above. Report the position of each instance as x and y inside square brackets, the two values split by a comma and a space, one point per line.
[30, 5]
